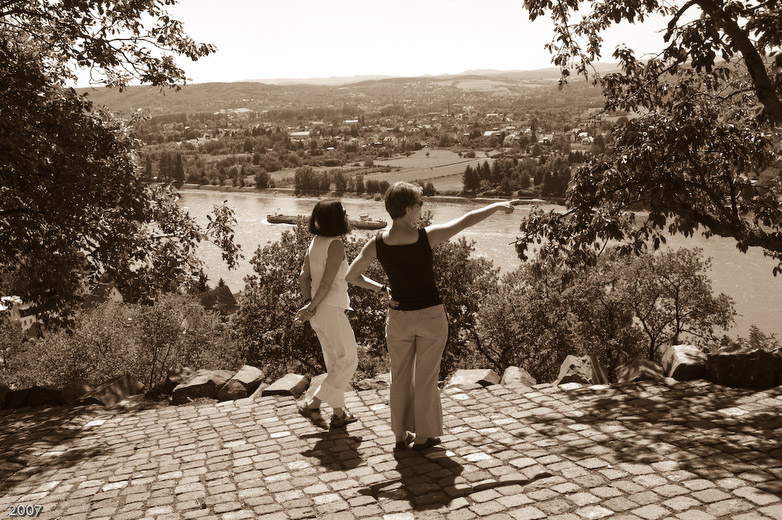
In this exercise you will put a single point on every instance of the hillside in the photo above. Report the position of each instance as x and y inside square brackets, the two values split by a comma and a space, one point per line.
[490, 89]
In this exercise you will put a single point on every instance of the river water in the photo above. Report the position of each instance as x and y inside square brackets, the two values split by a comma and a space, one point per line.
[746, 277]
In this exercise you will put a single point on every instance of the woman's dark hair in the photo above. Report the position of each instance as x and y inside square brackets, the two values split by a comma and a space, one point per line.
[328, 219]
[401, 196]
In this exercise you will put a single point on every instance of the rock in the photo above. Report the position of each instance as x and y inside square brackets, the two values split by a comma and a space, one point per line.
[585, 370]
[483, 377]
[515, 375]
[290, 384]
[242, 384]
[379, 382]
[757, 369]
[3, 392]
[176, 377]
[34, 396]
[112, 392]
[639, 369]
[684, 362]
[74, 390]
[204, 383]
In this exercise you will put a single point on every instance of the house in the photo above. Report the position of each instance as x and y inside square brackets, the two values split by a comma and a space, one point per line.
[20, 312]
[299, 136]
[220, 299]
[101, 293]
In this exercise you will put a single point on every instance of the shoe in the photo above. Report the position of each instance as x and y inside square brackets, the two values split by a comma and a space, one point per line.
[342, 420]
[403, 445]
[431, 442]
[313, 414]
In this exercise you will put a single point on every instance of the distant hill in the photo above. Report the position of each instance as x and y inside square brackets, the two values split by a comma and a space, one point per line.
[332, 81]
[276, 93]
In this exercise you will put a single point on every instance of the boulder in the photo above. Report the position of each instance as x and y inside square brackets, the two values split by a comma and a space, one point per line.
[465, 378]
[684, 362]
[74, 390]
[639, 369]
[379, 382]
[176, 377]
[112, 392]
[756, 369]
[3, 392]
[34, 396]
[290, 384]
[585, 370]
[242, 384]
[517, 376]
[204, 383]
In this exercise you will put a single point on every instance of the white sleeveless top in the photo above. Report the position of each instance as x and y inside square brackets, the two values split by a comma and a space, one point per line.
[338, 294]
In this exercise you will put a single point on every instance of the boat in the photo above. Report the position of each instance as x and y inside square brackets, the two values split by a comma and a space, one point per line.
[279, 218]
[364, 222]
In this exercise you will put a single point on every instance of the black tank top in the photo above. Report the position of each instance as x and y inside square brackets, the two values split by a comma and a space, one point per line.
[410, 272]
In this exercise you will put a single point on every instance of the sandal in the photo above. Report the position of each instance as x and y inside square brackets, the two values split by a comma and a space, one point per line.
[313, 414]
[431, 442]
[404, 444]
[342, 420]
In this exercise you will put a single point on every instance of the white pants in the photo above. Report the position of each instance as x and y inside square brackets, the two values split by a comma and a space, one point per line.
[339, 352]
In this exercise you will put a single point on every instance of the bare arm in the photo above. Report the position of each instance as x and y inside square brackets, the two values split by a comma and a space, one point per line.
[364, 259]
[439, 233]
[305, 280]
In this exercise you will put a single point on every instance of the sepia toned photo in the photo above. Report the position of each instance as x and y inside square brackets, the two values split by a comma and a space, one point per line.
[360, 261]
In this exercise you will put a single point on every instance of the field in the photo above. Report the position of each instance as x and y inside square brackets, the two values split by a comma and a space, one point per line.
[442, 167]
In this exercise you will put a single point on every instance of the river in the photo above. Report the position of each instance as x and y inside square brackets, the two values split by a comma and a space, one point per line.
[746, 277]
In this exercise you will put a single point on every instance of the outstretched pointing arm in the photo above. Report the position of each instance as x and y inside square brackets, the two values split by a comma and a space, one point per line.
[439, 233]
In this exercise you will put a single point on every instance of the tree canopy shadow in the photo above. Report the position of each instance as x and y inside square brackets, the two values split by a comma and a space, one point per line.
[707, 430]
[34, 441]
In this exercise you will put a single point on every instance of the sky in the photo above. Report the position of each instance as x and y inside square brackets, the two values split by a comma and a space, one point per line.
[265, 39]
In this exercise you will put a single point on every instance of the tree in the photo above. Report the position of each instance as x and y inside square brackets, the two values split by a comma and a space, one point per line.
[179, 169]
[117, 41]
[620, 308]
[72, 207]
[709, 109]
[671, 296]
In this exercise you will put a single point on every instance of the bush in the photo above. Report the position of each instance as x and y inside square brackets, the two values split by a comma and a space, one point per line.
[144, 341]
[271, 298]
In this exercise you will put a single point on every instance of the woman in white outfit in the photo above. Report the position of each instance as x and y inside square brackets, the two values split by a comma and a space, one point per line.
[325, 293]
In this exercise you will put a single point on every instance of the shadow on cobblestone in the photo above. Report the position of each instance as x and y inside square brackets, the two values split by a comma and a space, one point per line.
[707, 430]
[336, 450]
[32, 443]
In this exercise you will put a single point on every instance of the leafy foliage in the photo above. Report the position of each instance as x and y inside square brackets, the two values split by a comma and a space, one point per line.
[271, 298]
[705, 129]
[116, 41]
[620, 308]
[110, 340]
[73, 209]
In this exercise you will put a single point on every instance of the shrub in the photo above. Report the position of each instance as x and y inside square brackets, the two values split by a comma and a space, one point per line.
[271, 299]
[144, 341]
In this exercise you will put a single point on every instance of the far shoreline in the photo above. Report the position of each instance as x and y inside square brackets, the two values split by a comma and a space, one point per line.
[289, 192]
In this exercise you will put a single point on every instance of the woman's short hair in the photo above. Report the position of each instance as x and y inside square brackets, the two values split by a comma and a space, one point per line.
[328, 219]
[401, 196]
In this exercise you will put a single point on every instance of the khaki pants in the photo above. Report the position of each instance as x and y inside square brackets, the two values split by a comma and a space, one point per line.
[416, 340]
[339, 352]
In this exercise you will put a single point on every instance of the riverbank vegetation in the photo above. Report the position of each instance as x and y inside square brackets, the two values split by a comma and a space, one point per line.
[533, 317]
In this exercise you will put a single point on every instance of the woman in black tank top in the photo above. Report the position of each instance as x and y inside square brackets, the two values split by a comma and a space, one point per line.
[417, 326]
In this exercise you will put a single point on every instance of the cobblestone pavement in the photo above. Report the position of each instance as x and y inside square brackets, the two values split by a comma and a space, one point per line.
[649, 451]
